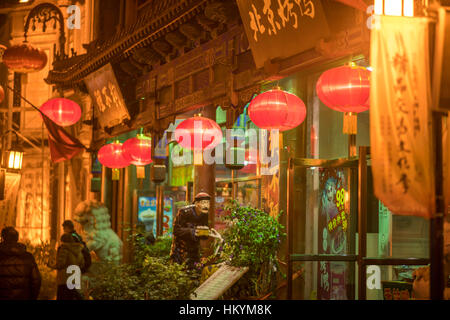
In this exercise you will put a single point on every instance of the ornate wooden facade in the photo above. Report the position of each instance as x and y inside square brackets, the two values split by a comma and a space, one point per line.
[184, 55]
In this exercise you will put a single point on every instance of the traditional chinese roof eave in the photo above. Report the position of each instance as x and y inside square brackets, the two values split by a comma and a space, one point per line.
[120, 46]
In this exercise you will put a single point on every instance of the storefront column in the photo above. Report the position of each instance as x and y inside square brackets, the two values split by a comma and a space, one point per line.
[205, 175]
[61, 198]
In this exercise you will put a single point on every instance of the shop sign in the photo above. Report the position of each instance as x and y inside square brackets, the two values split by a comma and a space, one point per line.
[108, 99]
[333, 222]
[282, 28]
[402, 164]
[147, 214]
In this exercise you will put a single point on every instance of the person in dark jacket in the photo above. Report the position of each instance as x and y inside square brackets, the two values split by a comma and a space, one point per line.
[190, 225]
[69, 228]
[20, 278]
[69, 254]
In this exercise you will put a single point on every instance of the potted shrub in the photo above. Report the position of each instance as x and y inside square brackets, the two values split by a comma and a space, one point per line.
[252, 240]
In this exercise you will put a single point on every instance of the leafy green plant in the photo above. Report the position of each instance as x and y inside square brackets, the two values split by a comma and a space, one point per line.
[253, 240]
[151, 276]
[253, 236]
[142, 250]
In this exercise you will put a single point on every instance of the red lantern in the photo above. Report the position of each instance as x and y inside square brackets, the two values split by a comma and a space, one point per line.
[345, 89]
[112, 156]
[198, 133]
[63, 112]
[138, 150]
[2, 94]
[277, 109]
[24, 58]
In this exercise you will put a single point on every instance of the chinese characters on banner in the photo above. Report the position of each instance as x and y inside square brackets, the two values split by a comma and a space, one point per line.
[105, 92]
[270, 26]
[400, 116]
[334, 220]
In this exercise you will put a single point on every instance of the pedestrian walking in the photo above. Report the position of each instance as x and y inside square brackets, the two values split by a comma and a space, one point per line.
[69, 254]
[20, 278]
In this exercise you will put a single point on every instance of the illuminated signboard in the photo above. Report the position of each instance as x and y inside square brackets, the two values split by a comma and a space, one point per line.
[280, 29]
[147, 214]
[108, 99]
[333, 221]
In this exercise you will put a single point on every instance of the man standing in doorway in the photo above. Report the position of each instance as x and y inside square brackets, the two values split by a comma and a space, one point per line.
[189, 227]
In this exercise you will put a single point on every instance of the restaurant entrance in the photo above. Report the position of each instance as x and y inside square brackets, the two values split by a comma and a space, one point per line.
[342, 215]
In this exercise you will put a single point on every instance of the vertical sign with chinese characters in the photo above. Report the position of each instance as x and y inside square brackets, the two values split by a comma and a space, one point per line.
[105, 92]
[400, 119]
[282, 28]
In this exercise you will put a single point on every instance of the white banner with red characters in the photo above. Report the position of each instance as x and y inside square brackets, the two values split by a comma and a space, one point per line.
[400, 116]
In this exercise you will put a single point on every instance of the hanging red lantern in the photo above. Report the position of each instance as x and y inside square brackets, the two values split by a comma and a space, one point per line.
[345, 88]
[24, 58]
[112, 156]
[2, 94]
[138, 150]
[277, 109]
[198, 133]
[63, 112]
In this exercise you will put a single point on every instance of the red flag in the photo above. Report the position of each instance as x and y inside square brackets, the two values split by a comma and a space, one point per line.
[62, 145]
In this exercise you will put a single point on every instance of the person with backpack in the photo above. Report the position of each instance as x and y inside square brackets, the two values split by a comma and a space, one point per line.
[69, 254]
[20, 278]
[69, 228]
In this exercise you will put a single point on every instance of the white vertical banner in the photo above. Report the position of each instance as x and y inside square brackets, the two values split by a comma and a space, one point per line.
[400, 116]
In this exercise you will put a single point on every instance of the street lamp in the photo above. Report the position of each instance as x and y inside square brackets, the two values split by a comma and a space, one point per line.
[13, 157]
[395, 7]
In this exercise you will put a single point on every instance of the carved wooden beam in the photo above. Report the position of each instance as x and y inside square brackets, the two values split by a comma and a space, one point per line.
[344, 44]
[177, 40]
[128, 67]
[147, 55]
[211, 26]
[164, 49]
[223, 12]
[193, 32]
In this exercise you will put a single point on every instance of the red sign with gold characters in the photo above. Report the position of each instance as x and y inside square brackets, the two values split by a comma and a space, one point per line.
[107, 97]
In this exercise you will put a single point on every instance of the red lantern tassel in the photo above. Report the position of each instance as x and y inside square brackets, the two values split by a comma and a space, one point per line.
[350, 123]
[140, 172]
[115, 174]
